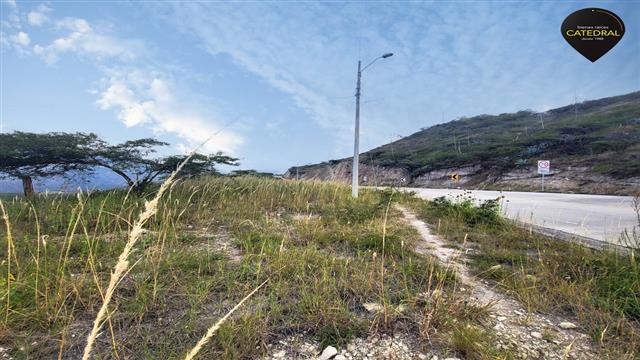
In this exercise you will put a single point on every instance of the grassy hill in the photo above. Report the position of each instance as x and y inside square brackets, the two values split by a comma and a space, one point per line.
[601, 138]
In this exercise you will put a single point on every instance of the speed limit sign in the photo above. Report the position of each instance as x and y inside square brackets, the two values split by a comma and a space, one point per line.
[544, 166]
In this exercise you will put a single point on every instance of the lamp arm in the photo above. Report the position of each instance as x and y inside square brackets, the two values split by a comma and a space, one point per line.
[374, 60]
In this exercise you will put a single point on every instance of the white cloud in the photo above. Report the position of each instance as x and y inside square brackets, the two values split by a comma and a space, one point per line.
[119, 95]
[39, 16]
[309, 51]
[10, 18]
[288, 52]
[21, 39]
[141, 98]
[311, 61]
[82, 39]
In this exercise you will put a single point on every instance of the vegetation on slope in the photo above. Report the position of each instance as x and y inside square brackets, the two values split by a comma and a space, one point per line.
[325, 255]
[211, 241]
[601, 289]
[604, 133]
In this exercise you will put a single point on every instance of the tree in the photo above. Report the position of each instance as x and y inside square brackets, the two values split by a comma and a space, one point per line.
[199, 164]
[131, 161]
[28, 155]
[147, 171]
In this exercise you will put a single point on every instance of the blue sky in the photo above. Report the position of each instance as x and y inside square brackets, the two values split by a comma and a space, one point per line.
[275, 80]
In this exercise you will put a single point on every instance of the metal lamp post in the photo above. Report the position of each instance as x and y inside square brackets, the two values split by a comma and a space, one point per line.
[356, 142]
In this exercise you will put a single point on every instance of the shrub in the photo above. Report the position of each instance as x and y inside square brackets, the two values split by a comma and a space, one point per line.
[487, 212]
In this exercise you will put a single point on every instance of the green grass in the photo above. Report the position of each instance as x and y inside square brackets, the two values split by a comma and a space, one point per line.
[323, 252]
[601, 289]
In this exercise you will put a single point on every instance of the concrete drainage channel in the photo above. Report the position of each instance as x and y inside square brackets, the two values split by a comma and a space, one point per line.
[574, 238]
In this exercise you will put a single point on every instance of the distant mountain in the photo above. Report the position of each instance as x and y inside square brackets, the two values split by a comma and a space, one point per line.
[593, 146]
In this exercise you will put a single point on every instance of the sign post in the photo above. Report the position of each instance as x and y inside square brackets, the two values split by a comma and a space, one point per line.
[544, 167]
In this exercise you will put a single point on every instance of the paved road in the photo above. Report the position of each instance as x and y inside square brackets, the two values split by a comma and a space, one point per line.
[600, 217]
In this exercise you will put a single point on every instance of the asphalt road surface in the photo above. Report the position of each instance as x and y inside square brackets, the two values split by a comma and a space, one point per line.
[600, 217]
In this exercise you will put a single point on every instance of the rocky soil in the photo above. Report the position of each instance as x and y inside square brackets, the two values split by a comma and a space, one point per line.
[529, 335]
[397, 347]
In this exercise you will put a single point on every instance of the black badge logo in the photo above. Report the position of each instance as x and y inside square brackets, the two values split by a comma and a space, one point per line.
[592, 31]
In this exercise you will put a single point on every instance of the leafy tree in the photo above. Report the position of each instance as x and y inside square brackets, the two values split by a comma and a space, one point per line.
[28, 155]
[139, 172]
[199, 164]
[129, 159]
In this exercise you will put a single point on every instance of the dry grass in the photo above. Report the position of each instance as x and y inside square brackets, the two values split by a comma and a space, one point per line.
[212, 330]
[599, 289]
[313, 242]
[10, 252]
[122, 266]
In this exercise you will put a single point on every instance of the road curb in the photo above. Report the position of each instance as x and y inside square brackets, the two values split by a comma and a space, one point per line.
[573, 238]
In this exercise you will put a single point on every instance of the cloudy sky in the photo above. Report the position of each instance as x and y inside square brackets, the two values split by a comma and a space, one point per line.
[273, 82]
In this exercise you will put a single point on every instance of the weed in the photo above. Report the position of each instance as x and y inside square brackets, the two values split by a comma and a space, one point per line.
[599, 288]
[324, 253]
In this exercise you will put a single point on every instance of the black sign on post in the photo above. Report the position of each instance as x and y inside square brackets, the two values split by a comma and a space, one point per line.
[592, 31]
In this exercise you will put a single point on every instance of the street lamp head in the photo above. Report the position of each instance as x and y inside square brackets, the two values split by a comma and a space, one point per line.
[387, 55]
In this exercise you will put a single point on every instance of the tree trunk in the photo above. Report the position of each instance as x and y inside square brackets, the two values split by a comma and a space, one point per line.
[27, 186]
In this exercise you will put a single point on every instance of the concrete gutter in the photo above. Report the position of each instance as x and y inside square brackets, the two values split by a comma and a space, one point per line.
[575, 239]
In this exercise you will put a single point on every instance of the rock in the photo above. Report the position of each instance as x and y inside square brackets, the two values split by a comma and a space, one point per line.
[328, 353]
[340, 357]
[402, 308]
[280, 354]
[308, 348]
[373, 307]
[567, 325]
[536, 335]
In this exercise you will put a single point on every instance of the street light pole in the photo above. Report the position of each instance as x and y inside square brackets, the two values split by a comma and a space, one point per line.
[356, 140]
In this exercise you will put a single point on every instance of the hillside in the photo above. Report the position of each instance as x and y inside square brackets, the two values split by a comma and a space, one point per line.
[594, 147]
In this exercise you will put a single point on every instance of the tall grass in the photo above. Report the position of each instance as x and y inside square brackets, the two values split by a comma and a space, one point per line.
[600, 289]
[313, 242]
[10, 252]
[122, 266]
[215, 327]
